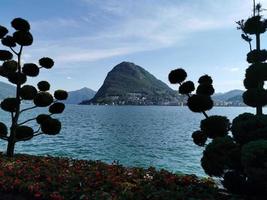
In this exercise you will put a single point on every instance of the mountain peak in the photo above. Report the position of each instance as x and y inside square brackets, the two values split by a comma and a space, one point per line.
[85, 89]
[80, 95]
[126, 66]
[128, 83]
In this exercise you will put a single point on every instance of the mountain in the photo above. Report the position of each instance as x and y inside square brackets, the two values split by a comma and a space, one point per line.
[227, 95]
[231, 98]
[237, 98]
[6, 90]
[130, 84]
[77, 96]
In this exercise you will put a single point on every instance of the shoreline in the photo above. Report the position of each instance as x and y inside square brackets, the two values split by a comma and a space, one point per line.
[137, 105]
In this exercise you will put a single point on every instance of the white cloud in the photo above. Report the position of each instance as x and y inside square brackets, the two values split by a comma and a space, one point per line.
[136, 26]
[91, 55]
[234, 69]
[54, 24]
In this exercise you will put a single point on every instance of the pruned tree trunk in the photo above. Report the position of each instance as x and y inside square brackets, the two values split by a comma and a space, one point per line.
[10, 148]
[259, 108]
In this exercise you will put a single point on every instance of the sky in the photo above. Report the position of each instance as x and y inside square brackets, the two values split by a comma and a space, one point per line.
[87, 38]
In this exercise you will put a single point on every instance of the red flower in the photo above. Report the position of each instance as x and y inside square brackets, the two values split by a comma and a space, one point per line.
[56, 196]
[17, 182]
[49, 179]
[37, 194]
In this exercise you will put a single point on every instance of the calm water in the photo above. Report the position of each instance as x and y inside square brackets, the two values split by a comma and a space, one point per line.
[136, 136]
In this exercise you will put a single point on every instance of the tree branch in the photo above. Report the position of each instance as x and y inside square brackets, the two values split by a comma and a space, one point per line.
[28, 138]
[13, 50]
[12, 116]
[28, 109]
[28, 120]
[4, 138]
[38, 130]
[20, 50]
[40, 133]
[203, 112]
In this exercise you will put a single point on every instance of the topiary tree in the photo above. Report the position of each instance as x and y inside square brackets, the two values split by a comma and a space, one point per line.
[17, 73]
[239, 158]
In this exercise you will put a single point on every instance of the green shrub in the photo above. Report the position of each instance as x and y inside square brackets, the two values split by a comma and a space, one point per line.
[237, 152]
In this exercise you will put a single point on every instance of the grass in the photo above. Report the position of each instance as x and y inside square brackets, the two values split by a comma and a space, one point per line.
[39, 177]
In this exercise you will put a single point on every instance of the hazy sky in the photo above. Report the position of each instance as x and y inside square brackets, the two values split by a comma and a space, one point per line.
[87, 38]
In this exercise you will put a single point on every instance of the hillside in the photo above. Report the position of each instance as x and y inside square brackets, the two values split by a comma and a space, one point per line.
[6, 90]
[227, 95]
[77, 96]
[130, 84]
[231, 98]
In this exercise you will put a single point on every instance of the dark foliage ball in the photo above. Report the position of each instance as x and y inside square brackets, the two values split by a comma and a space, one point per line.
[247, 127]
[199, 138]
[177, 76]
[257, 56]
[5, 55]
[17, 78]
[43, 86]
[254, 159]
[10, 65]
[41, 118]
[187, 87]
[255, 97]
[220, 155]
[3, 129]
[28, 92]
[46, 62]
[20, 24]
[252, 83]
[215, 126]
[30, 69]
[51, 126]
[205, 79]
[9, 104]
[257, 71]
[234, 182]
[254, 25]
[23, 38]
[199, 103]
[256, 189]
[24, 133]
[60, 94]
[43, 99]
[4, 72]
[205, 89]
[3, 31]
[57, 108]
[8, 41]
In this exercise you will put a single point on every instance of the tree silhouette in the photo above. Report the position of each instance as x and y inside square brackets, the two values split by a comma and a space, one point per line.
[239, 158]
[17, 74]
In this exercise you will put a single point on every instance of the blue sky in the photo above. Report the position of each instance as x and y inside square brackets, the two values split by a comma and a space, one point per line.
[87, 38]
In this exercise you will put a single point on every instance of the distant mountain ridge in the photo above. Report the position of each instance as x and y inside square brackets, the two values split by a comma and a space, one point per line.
[227, 95]
[130, 84]
[77, 96]
[87, 96]
[6, 90]
[230, 98]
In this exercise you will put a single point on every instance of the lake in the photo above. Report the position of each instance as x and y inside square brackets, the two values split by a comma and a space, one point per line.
[142, 136]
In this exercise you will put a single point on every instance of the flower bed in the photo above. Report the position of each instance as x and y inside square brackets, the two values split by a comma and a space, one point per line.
[37, 177]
